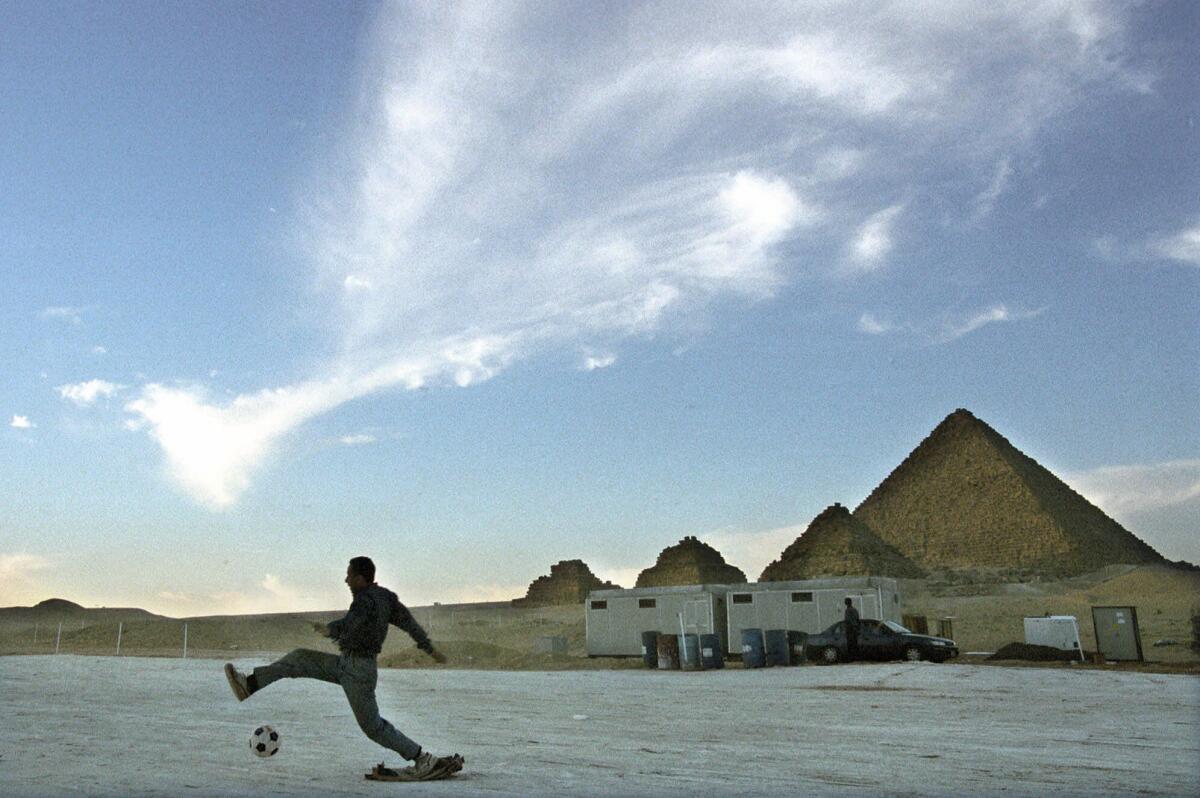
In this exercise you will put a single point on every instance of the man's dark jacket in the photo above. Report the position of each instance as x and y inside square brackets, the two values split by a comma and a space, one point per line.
[362, 632]
[852, 621]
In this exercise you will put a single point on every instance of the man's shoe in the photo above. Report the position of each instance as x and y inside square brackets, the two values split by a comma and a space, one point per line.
[237, 682]
[428, 767]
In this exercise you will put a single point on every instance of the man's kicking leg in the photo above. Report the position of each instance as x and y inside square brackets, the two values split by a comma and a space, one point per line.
[302, 663]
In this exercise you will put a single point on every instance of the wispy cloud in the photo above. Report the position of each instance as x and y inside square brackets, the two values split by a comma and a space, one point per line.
[71, 315]
[359, 439]
[752, 551]
[19, 580]
[99, 350]
[593, 362]
[985, 201]
[873, 240]
[1183, 246]
[1125, 490]
[869, 324]
[87, 392]
[21, 422]
[496, 204]
[954, 329]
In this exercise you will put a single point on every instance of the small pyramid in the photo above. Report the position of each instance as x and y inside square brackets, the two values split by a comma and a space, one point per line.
[838, 544]
[690, 562]
[967, 499]
[569, 582]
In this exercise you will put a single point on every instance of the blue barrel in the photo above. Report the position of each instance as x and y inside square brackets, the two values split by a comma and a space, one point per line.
[754, 655]
[796, 642]
[778, 654]
[650, 649]
[689, 653]
[668, 652]
[711, 655]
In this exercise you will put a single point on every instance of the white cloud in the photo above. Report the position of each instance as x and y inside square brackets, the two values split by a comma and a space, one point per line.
[21, 422]
[16, 566]
[1182, 246]
[86, 393]
[873, 240]
[1126, 490]
[99, 350]
[752, 551]
[357, 440]
[986, 199]
[71, 315]
[956, 328]
[867, 323]
[593, 362]
[493, 203]
[19, 583]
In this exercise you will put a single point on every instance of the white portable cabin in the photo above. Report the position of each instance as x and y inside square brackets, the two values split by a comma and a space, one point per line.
[1056, 631]
[809, 606]
[616, 619]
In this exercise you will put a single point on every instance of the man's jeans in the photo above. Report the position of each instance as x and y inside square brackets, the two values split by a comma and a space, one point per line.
[357, 676]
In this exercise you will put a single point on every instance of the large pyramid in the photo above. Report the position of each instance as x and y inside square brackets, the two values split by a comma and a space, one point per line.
[690, 562]
[967, 499]
[838, 544]
[569, 582]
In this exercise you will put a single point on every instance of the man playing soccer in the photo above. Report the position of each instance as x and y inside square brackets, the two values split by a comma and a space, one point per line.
[359, 636]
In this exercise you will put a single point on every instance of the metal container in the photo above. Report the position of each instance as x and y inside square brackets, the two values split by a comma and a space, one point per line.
[778, 654]
[689, 654]
[754, 654]
[668, 652]
[796, 642]
[711, 655]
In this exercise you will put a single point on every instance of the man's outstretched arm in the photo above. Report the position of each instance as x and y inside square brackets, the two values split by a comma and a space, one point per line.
[404, 619]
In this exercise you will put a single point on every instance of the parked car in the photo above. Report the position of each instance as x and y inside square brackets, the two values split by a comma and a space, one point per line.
[878, 640]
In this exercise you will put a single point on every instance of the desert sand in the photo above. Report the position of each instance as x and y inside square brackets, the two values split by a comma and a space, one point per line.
[107, 726]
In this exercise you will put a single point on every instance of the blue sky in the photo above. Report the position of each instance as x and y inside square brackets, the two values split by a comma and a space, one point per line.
[475, 288]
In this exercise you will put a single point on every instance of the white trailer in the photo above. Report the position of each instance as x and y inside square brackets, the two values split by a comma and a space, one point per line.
[616, 619]
[1055, 631]
[809, 606]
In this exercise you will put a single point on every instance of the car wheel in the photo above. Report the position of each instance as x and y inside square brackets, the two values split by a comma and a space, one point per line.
[912, 654]
[830, 655]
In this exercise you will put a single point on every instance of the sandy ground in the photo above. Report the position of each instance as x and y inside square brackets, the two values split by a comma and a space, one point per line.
[78, 725]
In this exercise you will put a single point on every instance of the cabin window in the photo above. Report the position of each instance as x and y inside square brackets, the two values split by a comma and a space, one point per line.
[647, 604]
[599, 605]
[743, 598]
[802, 596]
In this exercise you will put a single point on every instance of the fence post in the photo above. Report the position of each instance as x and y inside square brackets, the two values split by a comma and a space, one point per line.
[185, 641]
[120, 628]
[58, 639]
[35, 631]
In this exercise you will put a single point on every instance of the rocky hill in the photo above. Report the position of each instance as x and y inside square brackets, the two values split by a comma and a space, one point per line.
[690, 562]
[838, 544]
[569, 582]
[56, 609]
[966, 498]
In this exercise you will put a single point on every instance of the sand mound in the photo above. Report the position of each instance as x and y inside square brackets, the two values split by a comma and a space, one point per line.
[1032, 653]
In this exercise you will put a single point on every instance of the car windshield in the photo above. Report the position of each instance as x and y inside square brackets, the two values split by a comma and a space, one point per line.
[895, 627]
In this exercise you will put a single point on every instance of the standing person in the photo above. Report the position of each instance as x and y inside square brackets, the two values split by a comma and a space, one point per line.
[852, 624]
[359, 636]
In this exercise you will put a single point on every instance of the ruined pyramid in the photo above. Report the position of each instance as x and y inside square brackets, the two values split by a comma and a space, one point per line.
[967, 499]
[690, 562]
[838, 544]
[569, 582]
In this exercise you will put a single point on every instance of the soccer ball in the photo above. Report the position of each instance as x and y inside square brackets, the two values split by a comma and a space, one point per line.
[265, 741]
